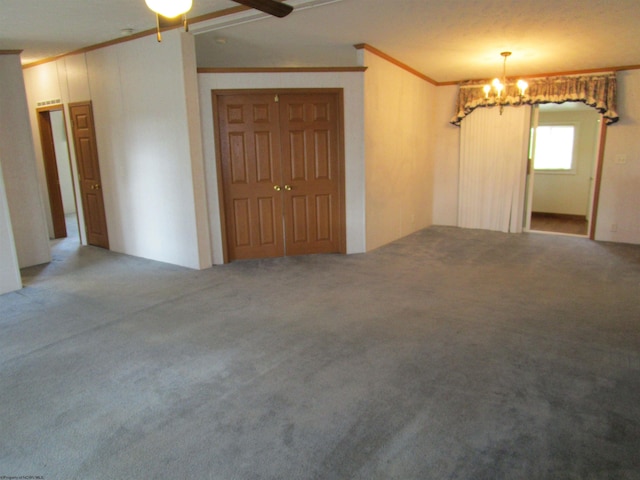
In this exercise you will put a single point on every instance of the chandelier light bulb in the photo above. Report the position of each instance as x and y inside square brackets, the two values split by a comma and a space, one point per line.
[169, 8]
[522, 86]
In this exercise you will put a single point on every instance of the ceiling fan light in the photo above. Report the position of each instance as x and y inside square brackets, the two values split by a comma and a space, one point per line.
[169, 8]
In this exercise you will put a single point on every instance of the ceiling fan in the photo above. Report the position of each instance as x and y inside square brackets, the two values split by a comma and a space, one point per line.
[170, 13]
[272, 7]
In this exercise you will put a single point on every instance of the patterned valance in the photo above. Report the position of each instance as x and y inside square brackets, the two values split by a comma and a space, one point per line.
[597, 91]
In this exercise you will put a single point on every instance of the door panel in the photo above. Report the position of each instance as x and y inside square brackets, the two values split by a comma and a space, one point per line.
[311, 168]
[268, 223]
[323, 217]
[300, 216]
[297, 158]
[250, 167]
[281, 173]
[84, 139]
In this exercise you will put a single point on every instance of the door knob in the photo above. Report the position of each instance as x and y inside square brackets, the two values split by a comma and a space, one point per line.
[288, 188]
[277, 188]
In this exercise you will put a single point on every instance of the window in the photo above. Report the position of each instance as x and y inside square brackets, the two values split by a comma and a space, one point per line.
[554, 148]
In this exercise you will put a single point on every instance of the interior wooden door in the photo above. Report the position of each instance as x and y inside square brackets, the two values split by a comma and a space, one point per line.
[51, 173]
[309, 125]
[84, 140]
[251, 172]
[281, 173]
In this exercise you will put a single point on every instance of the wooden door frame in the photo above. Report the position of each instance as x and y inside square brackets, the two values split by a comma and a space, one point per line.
[598, 178]
[43, 115]
[339, 93]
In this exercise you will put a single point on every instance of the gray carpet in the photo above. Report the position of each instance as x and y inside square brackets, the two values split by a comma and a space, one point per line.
[450, 354]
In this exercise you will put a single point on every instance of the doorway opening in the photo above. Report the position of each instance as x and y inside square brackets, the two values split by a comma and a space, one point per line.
[59, 176]
[563, 169]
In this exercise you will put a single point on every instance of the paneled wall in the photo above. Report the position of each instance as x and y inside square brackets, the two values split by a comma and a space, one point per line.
[619, 209]
[19, 167]
[9, 270]
[399, 138]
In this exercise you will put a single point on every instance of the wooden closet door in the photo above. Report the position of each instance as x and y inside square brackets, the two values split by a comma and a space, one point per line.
[310, 125]
[251, 171]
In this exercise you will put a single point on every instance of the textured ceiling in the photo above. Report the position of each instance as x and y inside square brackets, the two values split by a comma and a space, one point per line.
[445, 40]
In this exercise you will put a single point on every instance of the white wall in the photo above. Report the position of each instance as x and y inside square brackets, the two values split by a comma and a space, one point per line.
[9, 269]
[619, 208]
[61, 147]
[19, 167]
[351, 82]
[569, 193]
[149, 158]
[398, 150]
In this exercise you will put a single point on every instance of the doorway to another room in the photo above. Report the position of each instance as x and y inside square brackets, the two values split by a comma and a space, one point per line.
[68, 192]
[59, 176]
[563, 171]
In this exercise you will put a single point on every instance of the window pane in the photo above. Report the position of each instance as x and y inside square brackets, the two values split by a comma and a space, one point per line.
[554, 147]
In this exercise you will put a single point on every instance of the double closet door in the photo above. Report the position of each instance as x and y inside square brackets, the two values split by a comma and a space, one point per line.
[280, 159]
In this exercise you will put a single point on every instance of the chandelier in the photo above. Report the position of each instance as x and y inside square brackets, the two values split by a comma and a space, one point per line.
[497, 92]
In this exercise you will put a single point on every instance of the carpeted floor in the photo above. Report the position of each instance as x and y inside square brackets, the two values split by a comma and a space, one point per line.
[450, 354]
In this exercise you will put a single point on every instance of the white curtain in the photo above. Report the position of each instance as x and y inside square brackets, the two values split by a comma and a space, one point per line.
[493, 162]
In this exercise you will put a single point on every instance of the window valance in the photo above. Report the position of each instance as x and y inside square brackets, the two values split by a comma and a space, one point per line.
[597, 91]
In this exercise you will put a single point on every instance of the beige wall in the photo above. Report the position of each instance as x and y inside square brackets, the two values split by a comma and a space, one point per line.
[19, 170]
[569, 193]
[399, 137]
[619, 208]
[447, 158]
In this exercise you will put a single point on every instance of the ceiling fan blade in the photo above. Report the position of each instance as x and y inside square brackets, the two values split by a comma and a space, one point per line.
[272, 7]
